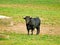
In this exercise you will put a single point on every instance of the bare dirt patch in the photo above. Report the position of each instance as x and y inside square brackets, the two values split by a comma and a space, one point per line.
[21, 28]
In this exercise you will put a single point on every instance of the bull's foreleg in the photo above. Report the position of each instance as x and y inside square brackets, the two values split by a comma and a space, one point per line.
[28, 32]
[28, 29]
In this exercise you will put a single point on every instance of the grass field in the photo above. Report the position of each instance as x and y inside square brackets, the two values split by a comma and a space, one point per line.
[30, 2]
[23, 39]
[47, 10]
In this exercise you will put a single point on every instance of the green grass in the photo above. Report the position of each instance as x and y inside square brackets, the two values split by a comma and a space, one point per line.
[30, 2]
[23, 39]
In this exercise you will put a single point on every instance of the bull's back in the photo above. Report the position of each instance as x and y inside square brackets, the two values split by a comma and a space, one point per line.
[35, 21]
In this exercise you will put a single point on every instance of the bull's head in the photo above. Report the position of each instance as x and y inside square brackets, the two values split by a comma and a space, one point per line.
[27, 19]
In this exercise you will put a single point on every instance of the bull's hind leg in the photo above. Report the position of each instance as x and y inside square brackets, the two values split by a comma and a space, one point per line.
[38, 30]
[31, 32]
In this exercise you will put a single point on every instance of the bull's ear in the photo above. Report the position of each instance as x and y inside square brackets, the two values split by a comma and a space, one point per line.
[23, 18]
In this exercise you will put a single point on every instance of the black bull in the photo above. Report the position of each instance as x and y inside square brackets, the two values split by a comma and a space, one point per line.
[32, 23]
